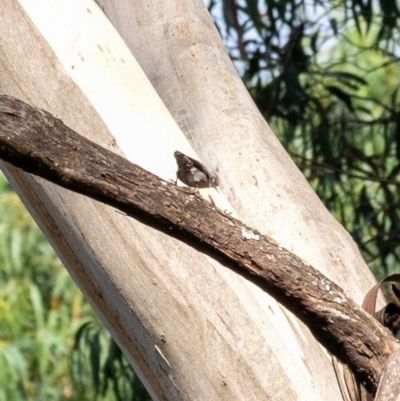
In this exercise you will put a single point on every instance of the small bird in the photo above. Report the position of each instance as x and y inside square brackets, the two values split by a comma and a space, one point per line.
[193, 173]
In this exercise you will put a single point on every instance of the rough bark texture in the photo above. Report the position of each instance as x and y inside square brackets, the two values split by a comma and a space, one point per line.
[42, 145]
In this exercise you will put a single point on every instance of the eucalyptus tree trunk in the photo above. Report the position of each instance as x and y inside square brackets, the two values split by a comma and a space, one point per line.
[192, 329]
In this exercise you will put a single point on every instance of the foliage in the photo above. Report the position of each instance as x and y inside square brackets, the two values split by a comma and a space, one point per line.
[325, 74]
[52, 345]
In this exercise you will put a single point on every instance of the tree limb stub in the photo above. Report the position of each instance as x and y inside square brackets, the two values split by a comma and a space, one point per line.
[40, 144]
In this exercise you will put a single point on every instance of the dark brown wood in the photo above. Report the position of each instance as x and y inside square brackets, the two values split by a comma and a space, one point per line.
[41, 144]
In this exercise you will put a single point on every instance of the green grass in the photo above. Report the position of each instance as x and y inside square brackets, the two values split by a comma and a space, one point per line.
[52, 345]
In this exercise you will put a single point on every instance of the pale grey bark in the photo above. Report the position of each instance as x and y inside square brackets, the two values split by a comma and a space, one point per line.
[389, 385]
[202, 90]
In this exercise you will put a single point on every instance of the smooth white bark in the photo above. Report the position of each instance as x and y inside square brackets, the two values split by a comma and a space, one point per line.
[202, 90]
[192, 329]
[179, 49]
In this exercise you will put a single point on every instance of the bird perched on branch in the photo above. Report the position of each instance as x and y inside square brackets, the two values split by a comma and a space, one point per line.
[193, 173]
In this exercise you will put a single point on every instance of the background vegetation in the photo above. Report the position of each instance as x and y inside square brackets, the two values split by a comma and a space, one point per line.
[52, 345]
[325, 74]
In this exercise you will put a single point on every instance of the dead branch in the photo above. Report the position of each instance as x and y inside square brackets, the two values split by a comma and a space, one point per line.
[41, 144]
